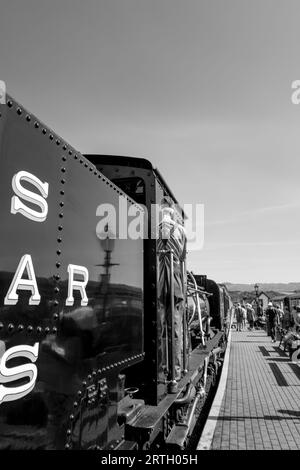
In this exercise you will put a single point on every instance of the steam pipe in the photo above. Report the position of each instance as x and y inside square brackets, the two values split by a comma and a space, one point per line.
[187, 397]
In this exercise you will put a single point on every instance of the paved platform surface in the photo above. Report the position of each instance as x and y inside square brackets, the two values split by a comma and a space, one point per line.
[261, 406]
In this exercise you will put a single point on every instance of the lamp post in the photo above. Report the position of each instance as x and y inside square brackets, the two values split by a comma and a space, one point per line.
[107, 245]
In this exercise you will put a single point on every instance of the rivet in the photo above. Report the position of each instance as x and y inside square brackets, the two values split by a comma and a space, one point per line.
[89, 377]
[28, 118]
[81, 161]
[71, 417]
[60, 228]
[94, 373]
[75, 404]
[70, 152]
[62, 192]
[9, 104]
[64, 147]
[29, 329]
[44, 131]
[56, 276]
[95, 173]
[84, 383]
[36, 125]
[58, 252]
[56, 302]
[99, 371]
[51, 137]
[20, 327]
[59, 240]
[61, 215]
[54, 330]
[39, 329]
[63, 170]
[55, 316]
[69, 432]
[57, 265]
[67, 446]
[57, 142]
[56, 290]
[86, 165]
[91, 169]
[11, 327]
[1, 326]
[64, 159]
[79, 393]
[19, 111]
[61, 204]
[47, 329]
[63, 181]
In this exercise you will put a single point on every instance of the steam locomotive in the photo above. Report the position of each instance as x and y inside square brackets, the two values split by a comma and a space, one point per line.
[80, 334]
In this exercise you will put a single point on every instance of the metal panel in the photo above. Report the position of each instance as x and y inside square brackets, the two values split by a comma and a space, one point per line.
[24, 147]
[79, 347]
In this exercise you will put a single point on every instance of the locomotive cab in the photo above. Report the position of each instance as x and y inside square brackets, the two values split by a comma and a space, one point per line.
[144, 184]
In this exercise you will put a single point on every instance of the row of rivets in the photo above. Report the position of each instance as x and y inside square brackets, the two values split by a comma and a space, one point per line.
[28, 118]
[60, 226]
[11, 327]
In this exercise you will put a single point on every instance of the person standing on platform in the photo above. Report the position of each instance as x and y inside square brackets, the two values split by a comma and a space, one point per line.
[287, 319]
[280, 314]
[296, 318]
[239, 315]
[244, 316]
[272, 316]
[250, 316]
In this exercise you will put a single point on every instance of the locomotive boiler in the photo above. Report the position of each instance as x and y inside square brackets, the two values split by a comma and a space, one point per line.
[80, 334]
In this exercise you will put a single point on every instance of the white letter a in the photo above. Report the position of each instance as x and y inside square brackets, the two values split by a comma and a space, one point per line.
[23, 284]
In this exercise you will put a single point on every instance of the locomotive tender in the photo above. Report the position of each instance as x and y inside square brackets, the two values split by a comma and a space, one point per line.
[80, 337]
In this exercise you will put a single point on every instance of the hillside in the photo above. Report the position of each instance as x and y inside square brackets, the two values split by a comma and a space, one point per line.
[275, 287]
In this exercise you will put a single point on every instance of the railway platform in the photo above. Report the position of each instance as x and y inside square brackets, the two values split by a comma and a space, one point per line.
[257, 405]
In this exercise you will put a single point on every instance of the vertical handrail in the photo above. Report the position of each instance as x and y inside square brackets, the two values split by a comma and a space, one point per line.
[172, 380]
[199, 309]
[184, 320]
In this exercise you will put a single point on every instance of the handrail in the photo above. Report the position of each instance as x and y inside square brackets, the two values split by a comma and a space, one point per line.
[196, 293]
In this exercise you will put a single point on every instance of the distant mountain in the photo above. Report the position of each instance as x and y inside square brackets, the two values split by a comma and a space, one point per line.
[277, 287]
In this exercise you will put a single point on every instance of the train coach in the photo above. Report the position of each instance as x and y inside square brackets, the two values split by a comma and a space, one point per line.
[80, 333]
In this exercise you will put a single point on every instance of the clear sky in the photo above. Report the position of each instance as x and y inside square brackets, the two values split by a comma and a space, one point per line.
[200, 87]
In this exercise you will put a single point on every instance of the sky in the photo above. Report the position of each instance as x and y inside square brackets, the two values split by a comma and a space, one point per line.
[202, 88]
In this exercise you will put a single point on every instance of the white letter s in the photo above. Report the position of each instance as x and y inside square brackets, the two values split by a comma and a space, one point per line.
[9, 374]
[18, 206]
